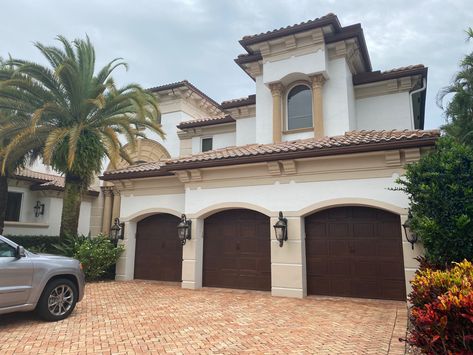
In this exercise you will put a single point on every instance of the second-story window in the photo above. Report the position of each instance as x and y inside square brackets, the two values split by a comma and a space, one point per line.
[207, 144]
[299, 107]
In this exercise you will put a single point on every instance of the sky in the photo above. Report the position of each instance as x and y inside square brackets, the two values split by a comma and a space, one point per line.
[197, 40]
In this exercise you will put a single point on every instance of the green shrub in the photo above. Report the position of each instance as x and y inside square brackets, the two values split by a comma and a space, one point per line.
[36, 243]
[440, 190]
[442, 312]
[97, 254]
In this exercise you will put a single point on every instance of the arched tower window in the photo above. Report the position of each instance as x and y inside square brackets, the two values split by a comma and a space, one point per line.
[299, 107]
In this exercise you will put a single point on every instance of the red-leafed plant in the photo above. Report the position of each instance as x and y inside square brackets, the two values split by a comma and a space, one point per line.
[442, 312]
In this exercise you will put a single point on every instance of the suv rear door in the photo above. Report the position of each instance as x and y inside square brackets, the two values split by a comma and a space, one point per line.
[16, 276]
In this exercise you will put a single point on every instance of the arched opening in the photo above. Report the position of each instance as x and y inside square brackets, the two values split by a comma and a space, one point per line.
[237, 250]
[355, 251]
[158, 251]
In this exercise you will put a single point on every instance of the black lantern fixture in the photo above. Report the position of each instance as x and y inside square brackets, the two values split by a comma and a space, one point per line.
[410, 236]
[184, 229]
[116, 231]
[38, 209]
[280, 229]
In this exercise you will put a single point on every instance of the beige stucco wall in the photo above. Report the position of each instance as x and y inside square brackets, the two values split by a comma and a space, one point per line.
[298, 188]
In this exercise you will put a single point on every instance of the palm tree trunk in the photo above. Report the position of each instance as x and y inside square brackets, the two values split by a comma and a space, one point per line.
[3, 200]
[71, 206]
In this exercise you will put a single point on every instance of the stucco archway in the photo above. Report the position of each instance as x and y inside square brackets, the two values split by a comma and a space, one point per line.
[208, 211]
[138, 216]
[340, 202]
[145, 150]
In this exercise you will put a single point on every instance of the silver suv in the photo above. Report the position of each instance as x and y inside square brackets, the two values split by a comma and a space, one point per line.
[49, 284]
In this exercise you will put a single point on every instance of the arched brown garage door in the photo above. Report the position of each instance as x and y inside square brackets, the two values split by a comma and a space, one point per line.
[355, 252]
[158, 250]
[237, 250]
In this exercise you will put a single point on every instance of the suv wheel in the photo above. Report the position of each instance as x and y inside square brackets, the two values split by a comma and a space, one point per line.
[58, 300]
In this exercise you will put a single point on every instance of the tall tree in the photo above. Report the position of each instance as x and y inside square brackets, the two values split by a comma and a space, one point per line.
[79, 115]
[459, 110]
[27, 153]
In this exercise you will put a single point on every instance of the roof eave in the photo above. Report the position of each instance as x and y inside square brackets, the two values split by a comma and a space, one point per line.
[373, 77]
[134, 175]
[309, 153]
[59, 188]
[330, 19]
[215, 122]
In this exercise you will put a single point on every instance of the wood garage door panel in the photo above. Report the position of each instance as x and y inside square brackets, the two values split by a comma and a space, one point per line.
[158, 254]
[356, 252]
[237, 250]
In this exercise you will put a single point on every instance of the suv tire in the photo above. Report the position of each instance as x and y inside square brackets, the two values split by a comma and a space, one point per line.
[58, 300]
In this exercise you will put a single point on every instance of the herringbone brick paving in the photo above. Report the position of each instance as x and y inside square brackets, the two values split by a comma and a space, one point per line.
[146, 317]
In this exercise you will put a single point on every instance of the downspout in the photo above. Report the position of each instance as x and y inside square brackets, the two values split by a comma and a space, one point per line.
[422, 88]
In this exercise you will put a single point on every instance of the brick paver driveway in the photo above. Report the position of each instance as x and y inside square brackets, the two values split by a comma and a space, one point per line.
[148, 317]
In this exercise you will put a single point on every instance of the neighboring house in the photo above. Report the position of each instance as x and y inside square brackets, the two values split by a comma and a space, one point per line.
[322, 141]
[34, 205]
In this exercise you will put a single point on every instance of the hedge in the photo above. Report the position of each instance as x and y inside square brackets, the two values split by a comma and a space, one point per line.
[40, 243]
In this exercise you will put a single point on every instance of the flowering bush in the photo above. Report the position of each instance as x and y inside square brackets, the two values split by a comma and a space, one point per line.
[442, 312]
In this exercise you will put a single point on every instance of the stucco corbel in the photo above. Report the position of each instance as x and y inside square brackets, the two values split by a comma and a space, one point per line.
[411, 155]
[196, 175]
[274, 168]
[289, 166]
[392, 157]
[182, 175]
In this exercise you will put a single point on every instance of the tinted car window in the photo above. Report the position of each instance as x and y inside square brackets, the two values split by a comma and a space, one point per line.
[6, 250]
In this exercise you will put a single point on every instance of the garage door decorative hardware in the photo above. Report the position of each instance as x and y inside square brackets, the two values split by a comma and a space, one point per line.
[117, 231]
[184, 229]
[410, 235]
[280, 229]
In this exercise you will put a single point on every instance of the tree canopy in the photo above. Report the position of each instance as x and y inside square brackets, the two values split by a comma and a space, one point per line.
[459, 110]
[76, 113]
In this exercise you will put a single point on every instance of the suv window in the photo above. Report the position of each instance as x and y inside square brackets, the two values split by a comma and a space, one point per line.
[6, 250]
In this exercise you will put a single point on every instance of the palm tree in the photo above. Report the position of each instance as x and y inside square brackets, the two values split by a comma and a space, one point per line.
[459, 110]
[79, 115]
[27, 153]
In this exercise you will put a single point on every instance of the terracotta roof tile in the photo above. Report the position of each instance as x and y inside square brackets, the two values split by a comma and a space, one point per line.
[143, 167]
[37, 176]
[281, 31]
[243, 101]
[409, 67]
[208, 121]
[45, 181]
[369, 77]
[350, 142]
[186, 83]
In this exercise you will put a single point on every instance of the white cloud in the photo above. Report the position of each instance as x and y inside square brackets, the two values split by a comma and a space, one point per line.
[167, 41]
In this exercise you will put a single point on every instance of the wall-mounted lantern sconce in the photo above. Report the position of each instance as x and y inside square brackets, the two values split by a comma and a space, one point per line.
[38, 209]
[280, 229]
[410, 236]
[117, 231]
[184, 229]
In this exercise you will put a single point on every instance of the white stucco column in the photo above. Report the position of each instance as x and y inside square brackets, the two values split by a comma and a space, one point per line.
[276, 91]
[116, 205]
[317, 105]
[125, 269]
[107, 210]
[192, 256]
[288, 271]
